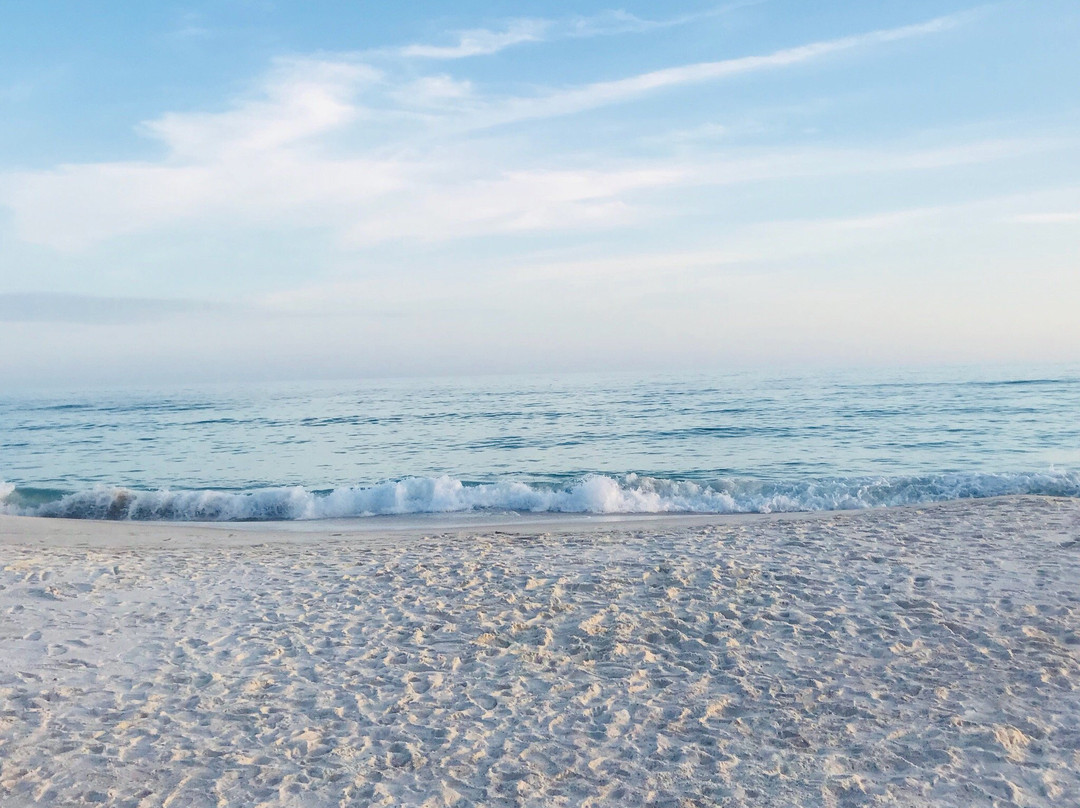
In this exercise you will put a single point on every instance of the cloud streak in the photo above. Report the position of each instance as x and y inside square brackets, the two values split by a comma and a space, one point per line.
[481, 41]
[485, 41]
[604, 93]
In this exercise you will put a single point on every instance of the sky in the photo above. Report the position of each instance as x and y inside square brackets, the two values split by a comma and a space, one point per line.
[252, 189]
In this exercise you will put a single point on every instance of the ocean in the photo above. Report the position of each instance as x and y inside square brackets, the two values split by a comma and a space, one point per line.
[606, 443]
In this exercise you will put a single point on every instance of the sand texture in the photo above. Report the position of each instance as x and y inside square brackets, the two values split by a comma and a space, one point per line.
[901, 657]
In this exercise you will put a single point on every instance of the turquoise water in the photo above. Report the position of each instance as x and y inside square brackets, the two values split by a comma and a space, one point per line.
[604, 443]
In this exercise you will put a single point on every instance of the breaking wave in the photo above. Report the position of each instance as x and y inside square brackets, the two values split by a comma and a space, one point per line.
[592, 494]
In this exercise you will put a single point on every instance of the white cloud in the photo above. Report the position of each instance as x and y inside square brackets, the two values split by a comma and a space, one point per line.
[512, 201]
[482, 42]
[617, 21]
[254, 162]
[603, 93]
[485, 41]
[302, 98]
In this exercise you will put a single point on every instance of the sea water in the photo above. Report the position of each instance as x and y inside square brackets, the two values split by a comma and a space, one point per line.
[608, 443]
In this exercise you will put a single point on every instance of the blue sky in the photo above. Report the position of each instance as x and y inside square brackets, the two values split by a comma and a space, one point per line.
[271, 189]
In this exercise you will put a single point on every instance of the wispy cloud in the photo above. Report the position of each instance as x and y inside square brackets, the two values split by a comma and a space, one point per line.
[603, 93]
[252, 163]
[301, 99]
[486, 41]
[619, 22]
[511, 201]
[481, 41]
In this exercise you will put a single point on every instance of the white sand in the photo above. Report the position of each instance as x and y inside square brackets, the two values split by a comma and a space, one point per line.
[902, 657]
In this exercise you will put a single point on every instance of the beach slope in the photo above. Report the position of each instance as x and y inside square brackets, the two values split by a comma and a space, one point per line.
[910, 656]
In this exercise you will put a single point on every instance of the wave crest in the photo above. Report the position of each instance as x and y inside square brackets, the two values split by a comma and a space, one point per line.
[591, 494]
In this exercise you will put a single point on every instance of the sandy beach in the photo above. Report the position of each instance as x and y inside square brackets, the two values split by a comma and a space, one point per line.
[909, 656]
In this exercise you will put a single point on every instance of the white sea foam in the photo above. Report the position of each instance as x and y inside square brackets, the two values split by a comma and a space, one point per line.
[6, 489]
[591, 494]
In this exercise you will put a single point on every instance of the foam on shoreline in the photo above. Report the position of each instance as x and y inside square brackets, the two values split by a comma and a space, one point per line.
[595, 493]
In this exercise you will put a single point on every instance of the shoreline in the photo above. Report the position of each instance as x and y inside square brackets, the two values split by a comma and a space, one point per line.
[38, 530]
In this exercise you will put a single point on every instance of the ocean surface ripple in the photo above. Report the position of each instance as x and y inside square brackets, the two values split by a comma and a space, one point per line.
[732, 443]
